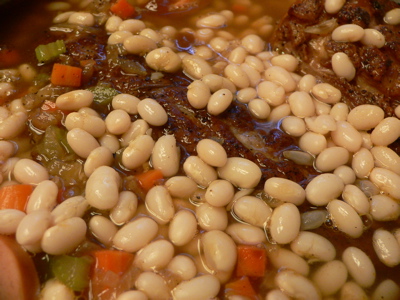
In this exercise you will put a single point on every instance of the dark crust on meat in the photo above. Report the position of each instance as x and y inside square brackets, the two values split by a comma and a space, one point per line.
[377, 69]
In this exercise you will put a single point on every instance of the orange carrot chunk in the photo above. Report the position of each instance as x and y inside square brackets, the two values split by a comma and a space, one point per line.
[15, 196]
[115, 261]
[65, 75]
[149, 179]
[123, 9]
[251, 261]
[240, 287]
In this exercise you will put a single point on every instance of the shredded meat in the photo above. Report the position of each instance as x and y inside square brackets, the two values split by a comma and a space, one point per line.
[377, 69]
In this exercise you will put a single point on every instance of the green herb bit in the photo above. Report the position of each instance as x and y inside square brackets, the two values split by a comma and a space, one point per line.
[74, 272]
[49, 52]
[103, 95]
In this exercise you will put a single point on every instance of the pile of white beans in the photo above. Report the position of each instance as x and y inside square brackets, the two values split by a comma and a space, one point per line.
[184, 225]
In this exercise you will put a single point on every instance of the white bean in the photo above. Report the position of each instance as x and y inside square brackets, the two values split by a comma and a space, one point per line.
[296, 285]
[384, 208]
[219, 251]
[138, 152]
[159, 204]
[9, 220]
[359, 266]
[324, 188]
[387, 181]
[103, 229]
[345, 218]
[351, 291]
[182, 228]
[153, 285]
[385, 157]
[81, 18]
[362, 163]
[81, 142]
[117, 121]
[211, 152]
[83, 120]
[282, 258]
[29, 172]
[100, 156]
[182, 266]
[211, 217]
[272, 92]
[348, 33]
[136, 44]
[75, 100]
[102, 188]
[196, 67]
[163, 59]
[194, 289]
[110, 141]
[347, 136]
[392, 17]
[312, 142]
[322, 124]
[284, 190]
[386, 247]
[246, 234]
[219, 101]
[198, 94]
[132, 25]
[333, 6]
[365, 117]
[125, 209]
[71, 207]
[282, 77]
[331, 158]
[330, 277]
[64, 237]
[219, 193]
[136, 234]
[313, 247]
[301, 104]
[252, 210]
[54, 289]
[340, 111]
[346, 174]
[386, 290]
[126, 102]
[276, 294]
[132, 295]
[196, 169]
[154, 256]
[259, 108]
[285, 223]
[32, 227]
[241, 172]
[152, 112]
[356, 198]
[294, 126]
[113, 23]
[343, 66]
[44, 196]
[236, 74]
[181, 186]
[137, 128]
[165, 155]
[386, 132]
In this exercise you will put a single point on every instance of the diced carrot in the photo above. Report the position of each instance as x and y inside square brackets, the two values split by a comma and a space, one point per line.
[65, 75]
[115, 261]
[15, 196]
[123, 9]
[9, 57]
[251, 261]
[149, 179]
[240, 287]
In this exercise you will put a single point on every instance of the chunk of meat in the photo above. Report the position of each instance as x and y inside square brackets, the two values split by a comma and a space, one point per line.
[18, 276]
[306, 30]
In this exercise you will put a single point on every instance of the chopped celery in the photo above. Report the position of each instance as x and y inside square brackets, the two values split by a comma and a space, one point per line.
[49, 52]
[103, 95]
[74, 272]
[54, 144]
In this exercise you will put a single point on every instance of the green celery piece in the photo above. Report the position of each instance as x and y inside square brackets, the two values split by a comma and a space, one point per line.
[49, 52]
[103, 95]
[54, 144]
[74, 272]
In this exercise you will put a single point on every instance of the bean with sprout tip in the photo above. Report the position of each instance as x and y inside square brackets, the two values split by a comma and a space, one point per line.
[345, 218]
[194, 288]
[154, 256]
[159, 204]
[386, 247]
[296, 285]
[240, 172]
[136, 234]
[102, 188]
[387, 181]
[313, 247]
[64, 237]
[138, 151]
[29, 172]
[246, 234]
[252, 210]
